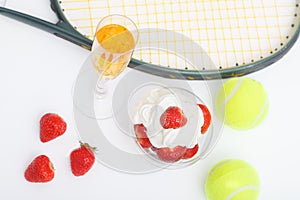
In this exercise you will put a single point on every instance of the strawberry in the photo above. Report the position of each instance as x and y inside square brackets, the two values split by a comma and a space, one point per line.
[207, 118]
[171, 154]
[190, 152]
[40, 170]
[51, 126]
[153, 148]
[82, 159]
[173, 117]
[141, 135]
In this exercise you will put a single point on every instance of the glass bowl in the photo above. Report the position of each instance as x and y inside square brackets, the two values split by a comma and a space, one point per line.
[146, 105]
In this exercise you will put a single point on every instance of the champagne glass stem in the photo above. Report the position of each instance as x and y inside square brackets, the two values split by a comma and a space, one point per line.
[101, 88]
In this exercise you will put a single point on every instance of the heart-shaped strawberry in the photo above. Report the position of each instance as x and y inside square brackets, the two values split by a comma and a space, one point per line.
[40, 170]
[51, 126]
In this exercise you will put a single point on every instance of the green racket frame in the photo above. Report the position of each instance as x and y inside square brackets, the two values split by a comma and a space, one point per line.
[65, 30]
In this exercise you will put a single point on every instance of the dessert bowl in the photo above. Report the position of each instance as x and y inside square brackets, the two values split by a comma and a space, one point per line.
[172, 126]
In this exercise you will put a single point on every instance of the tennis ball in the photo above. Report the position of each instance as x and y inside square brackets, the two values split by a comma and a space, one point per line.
[232, 180]
[242, 103]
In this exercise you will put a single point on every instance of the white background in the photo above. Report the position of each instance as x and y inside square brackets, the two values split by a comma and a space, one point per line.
[37, 74]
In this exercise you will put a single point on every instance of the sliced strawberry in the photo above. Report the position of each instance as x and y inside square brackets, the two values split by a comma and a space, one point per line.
[190, 152]
[153, 148]
[207, 118]
[171, 154]
[141, 136]
[173, 117]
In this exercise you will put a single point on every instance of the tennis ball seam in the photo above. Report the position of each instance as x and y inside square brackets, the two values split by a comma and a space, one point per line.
[221, 165]
[214, 169]
[245, 179]
[237, 84]
[260, 115]
[239, 190]
[228, 174]
[248, 187]
[231, 94]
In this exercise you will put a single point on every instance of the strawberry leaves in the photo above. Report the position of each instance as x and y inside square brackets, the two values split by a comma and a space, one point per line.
[82, 159]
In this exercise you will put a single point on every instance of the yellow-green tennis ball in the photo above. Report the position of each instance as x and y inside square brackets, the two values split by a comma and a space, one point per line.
[242, 103]
[232, 180]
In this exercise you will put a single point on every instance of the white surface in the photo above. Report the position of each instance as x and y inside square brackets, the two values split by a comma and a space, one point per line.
[37, 74]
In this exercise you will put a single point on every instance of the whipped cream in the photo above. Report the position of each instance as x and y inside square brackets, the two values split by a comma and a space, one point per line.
[150, 109]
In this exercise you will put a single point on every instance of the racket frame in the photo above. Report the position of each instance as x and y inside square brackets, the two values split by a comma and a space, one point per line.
[65, 30]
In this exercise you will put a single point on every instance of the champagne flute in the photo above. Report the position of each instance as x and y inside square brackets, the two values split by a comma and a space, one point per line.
[115, 39]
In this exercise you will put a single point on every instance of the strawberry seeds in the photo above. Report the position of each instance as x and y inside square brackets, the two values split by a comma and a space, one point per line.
[41, 169]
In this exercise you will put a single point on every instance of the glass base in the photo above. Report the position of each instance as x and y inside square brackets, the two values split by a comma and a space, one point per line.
[115, 137]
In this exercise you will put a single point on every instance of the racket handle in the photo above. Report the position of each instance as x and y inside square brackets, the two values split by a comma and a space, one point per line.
[60, 29]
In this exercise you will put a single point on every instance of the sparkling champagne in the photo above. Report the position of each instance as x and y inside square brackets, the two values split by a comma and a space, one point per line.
[116, 43]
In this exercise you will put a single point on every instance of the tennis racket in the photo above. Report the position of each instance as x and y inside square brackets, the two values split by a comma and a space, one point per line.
[239, 36]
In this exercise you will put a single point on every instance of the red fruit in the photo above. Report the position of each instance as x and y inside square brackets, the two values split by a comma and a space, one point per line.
[51, 126]
[82, 159]
[171, 154]
[207, 118]
[190, 152]
[153, 148]
[40, 170]
[173, 117]
[141, 136]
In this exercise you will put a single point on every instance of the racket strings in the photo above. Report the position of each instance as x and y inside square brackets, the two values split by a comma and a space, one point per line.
[231, 33]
